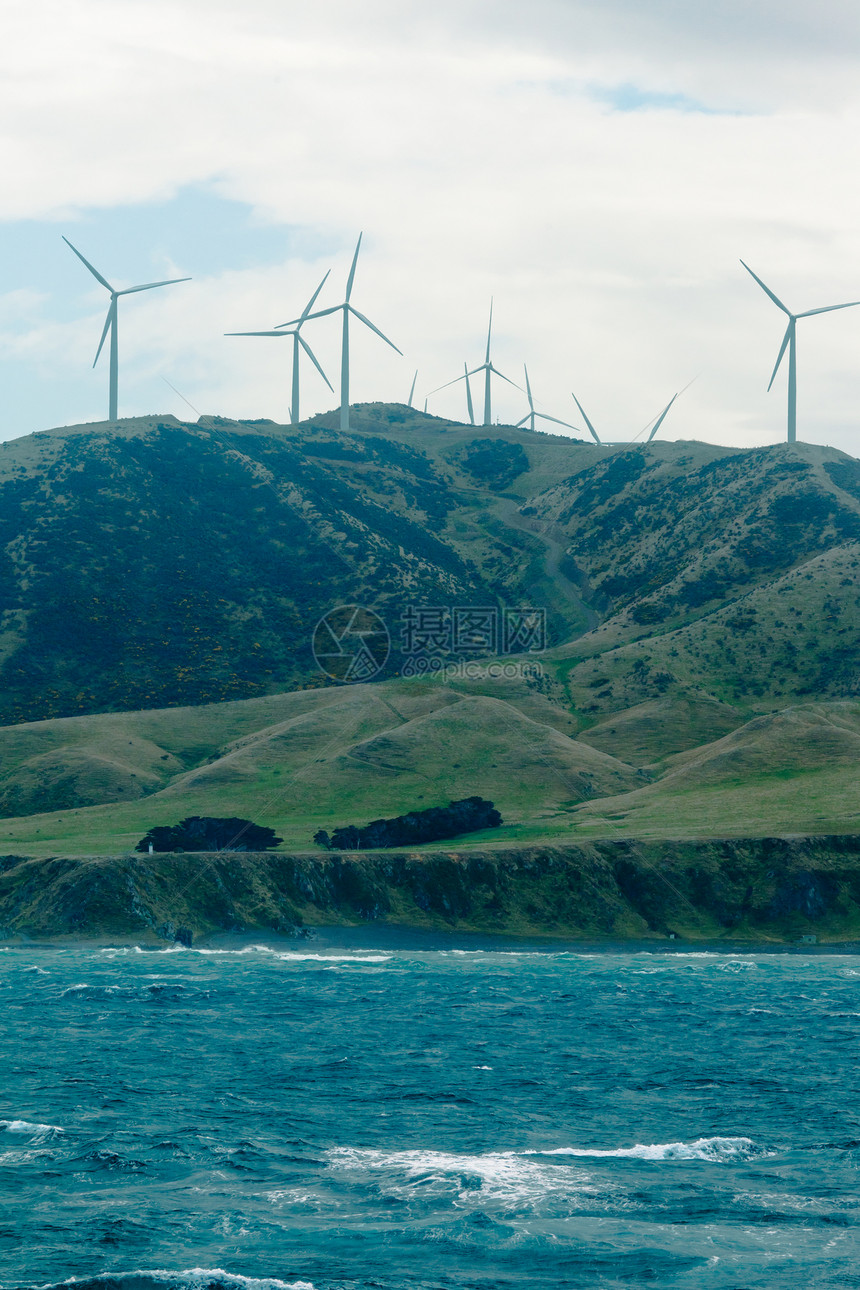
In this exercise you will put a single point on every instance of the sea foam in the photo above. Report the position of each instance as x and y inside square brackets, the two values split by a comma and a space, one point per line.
[713, 1149]
[189, 1279]
[26, 1126]
[508, 1177]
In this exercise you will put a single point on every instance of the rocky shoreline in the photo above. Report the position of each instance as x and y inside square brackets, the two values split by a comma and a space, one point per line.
[766, 890]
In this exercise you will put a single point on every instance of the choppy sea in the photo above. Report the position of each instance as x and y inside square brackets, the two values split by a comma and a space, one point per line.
[398, 1114]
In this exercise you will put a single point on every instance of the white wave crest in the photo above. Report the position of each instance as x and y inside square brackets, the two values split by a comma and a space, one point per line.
[188, 1279]
[26, 1126]
[504, 1176]
[712, 1149]
[518, 1178]
[289, 956]
[140, 949]
[300, 956]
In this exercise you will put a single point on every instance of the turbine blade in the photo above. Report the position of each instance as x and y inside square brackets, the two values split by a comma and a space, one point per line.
[320, 313]
[529, 389]
[312, 356]
[782, 349]
[687, 386]
[147, 286]
[827, 309]
[309, 306]
[591, 428]
[546, 417]
[496, 372]
[105, 331]
[258, 333]
[528, 417]
[469, 404]
[412, 390]
[776, 300]
[464, 377]
[448, 383]
[351, 277]
[657, 424]
[373, 327]
[93, 271]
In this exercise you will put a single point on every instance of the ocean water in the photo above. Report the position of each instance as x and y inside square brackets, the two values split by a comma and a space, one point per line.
[357, 1115]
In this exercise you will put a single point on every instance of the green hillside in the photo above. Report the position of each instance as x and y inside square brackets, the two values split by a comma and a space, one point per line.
[152, 562]
[161, 581]
[317, 759]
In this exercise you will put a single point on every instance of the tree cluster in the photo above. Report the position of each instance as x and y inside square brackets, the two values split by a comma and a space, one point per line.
[465, 816]
[209, 833]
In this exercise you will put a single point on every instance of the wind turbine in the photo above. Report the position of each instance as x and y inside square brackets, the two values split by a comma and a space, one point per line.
[111, 323]
[489, 371]
[656, 426]
[790, 340]
[299, 343]
[532, 414]
[347, 309]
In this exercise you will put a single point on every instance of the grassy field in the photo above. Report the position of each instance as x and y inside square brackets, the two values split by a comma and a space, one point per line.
[321, 758]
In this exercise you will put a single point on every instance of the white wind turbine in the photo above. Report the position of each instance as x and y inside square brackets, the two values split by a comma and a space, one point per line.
[790, 340]
[299, 343]
[111, 323]
[656, 426]
[489, 371]
[347, 309]
[531, 415]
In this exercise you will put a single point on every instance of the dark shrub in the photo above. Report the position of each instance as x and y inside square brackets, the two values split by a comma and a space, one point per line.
[209, 833]
[494, 462]
[466, 816]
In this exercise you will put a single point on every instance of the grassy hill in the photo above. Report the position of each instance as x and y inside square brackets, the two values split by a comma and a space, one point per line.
[153, 562]
[318, 759]
[160, 582]
[669, 531]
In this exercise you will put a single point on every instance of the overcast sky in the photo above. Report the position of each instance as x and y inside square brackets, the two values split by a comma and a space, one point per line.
[596, 167]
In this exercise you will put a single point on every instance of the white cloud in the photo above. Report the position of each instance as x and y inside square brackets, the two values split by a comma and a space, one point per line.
[478, 146]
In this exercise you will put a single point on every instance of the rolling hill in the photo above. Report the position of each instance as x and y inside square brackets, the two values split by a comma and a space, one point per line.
[161, 581]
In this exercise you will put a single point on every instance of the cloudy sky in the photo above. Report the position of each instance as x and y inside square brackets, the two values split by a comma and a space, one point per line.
[596, 166]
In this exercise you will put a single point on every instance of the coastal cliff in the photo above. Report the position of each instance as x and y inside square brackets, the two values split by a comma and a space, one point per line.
[776, 890]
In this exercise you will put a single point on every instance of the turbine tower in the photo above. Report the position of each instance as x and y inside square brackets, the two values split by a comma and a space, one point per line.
[656, 426]
[299, 344]
[489, 371]
[347, 309]
[111, 323]
[531, 415]
[790, 340]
